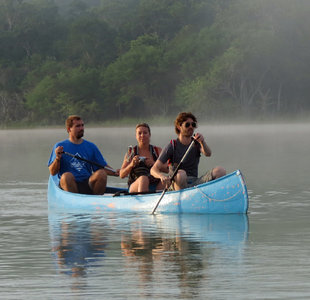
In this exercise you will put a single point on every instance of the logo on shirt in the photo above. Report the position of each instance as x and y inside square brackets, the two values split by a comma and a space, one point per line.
[76, 163]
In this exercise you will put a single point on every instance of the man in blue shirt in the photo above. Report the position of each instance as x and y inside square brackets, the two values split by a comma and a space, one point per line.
[78, 176]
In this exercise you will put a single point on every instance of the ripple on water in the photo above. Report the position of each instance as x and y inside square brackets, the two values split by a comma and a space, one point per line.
[23, 198]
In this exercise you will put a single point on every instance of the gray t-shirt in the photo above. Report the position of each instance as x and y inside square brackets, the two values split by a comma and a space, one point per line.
[174, 152]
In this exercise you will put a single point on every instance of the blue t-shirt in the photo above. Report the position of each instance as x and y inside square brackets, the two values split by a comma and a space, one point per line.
[80, 169]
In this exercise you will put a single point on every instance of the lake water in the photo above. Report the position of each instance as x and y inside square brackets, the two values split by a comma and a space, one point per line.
[264, 255]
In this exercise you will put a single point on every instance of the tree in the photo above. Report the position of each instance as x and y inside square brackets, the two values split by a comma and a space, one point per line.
[90, 42]
[67, 92]
[137, 77]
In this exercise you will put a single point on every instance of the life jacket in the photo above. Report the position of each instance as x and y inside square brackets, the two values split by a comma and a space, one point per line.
[141, 168]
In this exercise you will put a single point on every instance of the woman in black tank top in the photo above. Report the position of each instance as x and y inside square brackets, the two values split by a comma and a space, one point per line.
[138, 161]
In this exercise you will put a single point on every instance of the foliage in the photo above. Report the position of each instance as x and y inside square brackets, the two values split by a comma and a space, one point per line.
[111, 59]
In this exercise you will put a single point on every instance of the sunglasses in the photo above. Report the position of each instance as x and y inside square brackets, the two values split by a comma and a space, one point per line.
[194, 124]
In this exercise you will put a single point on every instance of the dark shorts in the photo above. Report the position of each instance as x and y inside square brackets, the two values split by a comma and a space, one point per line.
[84, 188]
[192, 181]
[152, 187]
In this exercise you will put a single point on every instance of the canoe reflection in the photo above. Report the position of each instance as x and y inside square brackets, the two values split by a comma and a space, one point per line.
[76, 244]
[144, 243]
[183, 244]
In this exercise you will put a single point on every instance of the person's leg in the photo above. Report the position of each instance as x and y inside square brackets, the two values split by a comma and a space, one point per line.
[215, 173]
[180, 180]
[140, 185]
[218, 172]
[159, 186]
[67, 182]
[98, 182]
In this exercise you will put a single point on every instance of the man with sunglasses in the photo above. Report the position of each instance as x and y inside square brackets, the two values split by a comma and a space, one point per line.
[185, 125]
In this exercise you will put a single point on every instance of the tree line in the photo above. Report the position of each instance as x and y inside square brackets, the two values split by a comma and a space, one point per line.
[114, 59]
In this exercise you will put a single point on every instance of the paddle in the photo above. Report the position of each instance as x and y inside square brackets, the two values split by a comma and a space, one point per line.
[90, 162]
[126, 193]
[173, 175]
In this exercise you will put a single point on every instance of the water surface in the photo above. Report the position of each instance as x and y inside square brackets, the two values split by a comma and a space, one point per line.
[264, 255]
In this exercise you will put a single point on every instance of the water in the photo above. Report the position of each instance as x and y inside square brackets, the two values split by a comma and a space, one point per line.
[264, 255]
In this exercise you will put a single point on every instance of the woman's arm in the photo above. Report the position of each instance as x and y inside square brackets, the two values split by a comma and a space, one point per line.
[127, 166]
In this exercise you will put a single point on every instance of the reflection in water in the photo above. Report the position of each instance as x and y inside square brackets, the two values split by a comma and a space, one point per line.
[76, 244]
[148, 250]
[149, 254]
[181, 247]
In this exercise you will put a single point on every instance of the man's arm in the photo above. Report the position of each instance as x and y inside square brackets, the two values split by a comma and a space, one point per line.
[157, 171]
[110, 171]
[205, 149]
[54, 167]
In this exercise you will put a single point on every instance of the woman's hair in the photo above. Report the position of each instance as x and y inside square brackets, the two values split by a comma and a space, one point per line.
[144, 125]
[70, 119]
[181, 118]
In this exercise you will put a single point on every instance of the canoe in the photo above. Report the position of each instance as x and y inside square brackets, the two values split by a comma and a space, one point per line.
[226, 195]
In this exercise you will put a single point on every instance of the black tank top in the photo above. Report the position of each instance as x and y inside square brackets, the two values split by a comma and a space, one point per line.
[141, 169]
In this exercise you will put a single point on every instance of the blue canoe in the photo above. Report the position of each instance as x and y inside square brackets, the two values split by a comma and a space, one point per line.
[226, 195]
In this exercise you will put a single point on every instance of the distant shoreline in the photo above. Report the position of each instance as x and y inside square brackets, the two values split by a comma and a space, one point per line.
[163, 122]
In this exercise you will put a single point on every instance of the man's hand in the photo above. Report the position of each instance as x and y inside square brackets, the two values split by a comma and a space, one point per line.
[59, 152]
[166, 181]
[116, 172]
[204, 147]
[199, 137]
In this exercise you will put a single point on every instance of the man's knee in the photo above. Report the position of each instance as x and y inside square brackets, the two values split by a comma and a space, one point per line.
[67, 177]
[181, 179]
[218, 172]
[100, 174]
[67, 182]
[181, 176]
[98, 182]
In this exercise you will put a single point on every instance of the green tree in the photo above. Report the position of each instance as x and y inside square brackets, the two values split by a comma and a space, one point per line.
[135, 81]
[67, 92]
[90, 42]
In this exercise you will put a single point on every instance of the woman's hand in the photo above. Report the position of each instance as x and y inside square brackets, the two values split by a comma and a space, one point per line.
[135, 161]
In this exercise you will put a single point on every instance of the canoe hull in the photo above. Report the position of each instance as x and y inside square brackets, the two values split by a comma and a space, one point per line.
[226, 195]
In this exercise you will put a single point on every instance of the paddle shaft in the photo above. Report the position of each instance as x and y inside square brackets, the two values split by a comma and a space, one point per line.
[173, 175]
[88, 161]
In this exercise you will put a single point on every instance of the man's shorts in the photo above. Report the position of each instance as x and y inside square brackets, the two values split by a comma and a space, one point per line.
[84, 188]
[193, 181]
